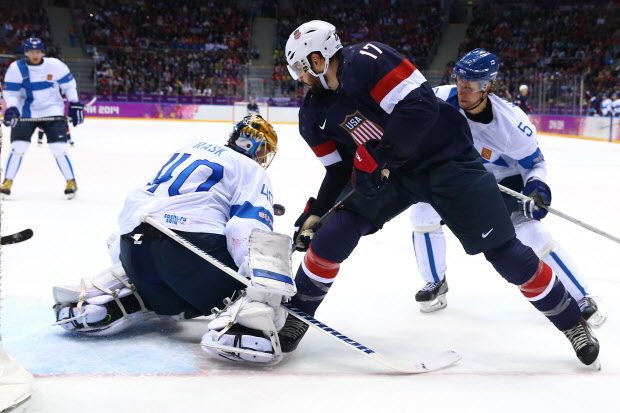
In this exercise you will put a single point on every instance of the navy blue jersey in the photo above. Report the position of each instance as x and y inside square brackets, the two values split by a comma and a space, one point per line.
[382, 96]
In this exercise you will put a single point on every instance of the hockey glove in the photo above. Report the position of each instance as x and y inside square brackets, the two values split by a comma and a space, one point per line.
[11, 117]
[370, 173]
[540, 194]
[76, 112]
[305, 227]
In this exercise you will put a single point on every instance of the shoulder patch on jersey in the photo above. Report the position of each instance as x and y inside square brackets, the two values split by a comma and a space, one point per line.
[486, 153]
[360, 128]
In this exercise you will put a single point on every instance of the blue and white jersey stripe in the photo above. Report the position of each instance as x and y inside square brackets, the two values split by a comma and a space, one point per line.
[37, 91]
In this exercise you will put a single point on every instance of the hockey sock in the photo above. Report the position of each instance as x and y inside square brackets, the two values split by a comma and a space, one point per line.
[430, 251]
[18, 150]
[567, 272]
[545, 291]
[519, 265]
[314, 278]
[59, 150]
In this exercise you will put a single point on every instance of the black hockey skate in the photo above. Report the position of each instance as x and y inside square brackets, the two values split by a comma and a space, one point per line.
[584, 343]
[589, 311]
[433, 296]
[292, 333]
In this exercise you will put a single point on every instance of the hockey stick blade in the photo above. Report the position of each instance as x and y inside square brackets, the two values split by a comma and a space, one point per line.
[17, 237]
[437, 362]
[444, 359]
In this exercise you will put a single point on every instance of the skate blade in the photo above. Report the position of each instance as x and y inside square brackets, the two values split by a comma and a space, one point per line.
[434, 305]
[70, 196]
[596, 320]
[596, 366]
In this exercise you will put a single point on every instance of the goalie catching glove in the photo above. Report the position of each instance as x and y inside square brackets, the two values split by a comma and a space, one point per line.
[247, 330]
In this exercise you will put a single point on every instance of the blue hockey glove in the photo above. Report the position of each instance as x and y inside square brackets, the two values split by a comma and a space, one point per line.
[541, 195]
[11, 117]
[76, 112]
[369, 171]
[305, 227]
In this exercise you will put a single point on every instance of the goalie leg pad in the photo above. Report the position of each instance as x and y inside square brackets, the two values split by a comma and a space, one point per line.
[104, 305]
[246, 331]
[270, 263]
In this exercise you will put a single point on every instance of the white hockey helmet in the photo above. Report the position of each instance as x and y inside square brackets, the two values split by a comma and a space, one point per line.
[313, 36]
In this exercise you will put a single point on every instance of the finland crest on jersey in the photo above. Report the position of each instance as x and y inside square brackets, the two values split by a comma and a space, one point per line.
[361, 129]
[199, 189]
[508, 144]
[35, 90]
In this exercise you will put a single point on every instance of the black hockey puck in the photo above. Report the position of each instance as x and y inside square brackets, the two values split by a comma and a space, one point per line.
[278, 209]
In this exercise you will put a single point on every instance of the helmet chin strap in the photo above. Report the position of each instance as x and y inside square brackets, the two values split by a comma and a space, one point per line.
[475, 105]
[323, 81]
[322, 75]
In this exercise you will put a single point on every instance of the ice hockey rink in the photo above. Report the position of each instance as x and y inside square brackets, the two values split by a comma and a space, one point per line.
[513, 359]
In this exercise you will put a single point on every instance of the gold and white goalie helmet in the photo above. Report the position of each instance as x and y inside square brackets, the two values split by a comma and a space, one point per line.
[313, 36]
[254, 137]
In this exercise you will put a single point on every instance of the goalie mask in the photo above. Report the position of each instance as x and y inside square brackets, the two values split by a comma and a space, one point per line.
[255, 138]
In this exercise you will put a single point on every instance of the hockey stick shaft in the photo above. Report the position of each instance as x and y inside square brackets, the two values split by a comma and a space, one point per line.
[45, 119]
[335, 207]
[448, 358]
[554, 211]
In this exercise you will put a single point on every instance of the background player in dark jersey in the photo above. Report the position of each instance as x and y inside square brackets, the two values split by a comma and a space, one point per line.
[406, 147]
[522, 100]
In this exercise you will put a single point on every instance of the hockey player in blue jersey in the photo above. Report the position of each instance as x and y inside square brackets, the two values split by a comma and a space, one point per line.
[405, 145]
[32, 89]
[506, 141]
[214, 196]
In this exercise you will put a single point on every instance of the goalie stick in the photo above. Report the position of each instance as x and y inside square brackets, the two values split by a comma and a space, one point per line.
[442, 360]
[17, 237]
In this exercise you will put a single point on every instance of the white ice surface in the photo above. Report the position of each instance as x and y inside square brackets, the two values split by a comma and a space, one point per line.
[513, 359]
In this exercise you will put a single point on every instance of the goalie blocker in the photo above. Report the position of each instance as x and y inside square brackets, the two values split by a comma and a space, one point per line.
[247, 329]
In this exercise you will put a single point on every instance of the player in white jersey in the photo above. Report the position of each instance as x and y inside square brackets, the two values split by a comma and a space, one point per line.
[607, 108]
[506, 141]
[32, 91]
[615, 104]
[212, 195]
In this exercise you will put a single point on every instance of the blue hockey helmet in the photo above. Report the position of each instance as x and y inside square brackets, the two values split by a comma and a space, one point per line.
[254, 137]
[33, 43]
[478, 65]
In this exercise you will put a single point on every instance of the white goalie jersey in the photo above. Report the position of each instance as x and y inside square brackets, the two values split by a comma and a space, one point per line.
[508, 144]
[208, 188]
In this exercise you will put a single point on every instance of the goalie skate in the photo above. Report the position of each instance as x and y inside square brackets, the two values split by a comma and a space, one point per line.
[432, 297]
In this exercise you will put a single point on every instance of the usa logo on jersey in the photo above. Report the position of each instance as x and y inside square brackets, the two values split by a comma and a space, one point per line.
[361, 129]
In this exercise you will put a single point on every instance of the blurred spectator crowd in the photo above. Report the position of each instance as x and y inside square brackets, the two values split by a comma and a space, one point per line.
[173, 47]
[567, 52]
[551, 46]
[21, 20]
[413, 29]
